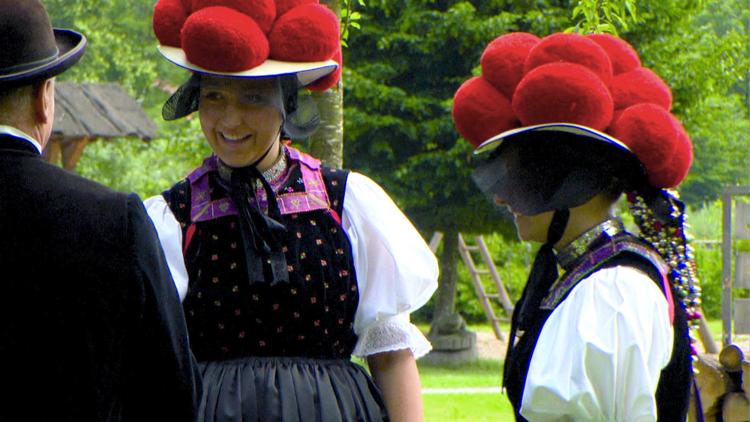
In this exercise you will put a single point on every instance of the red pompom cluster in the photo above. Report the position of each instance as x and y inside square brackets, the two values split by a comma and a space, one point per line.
[594, 80]
[237, 35]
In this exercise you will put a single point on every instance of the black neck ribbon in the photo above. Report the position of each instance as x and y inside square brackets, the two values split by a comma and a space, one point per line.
[261, 234]
[543, 274]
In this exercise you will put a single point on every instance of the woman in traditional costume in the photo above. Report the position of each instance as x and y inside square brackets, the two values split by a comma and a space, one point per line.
[286, 268]
[563, 126]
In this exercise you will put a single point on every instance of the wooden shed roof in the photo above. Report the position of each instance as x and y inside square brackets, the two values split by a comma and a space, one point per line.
[98, 111]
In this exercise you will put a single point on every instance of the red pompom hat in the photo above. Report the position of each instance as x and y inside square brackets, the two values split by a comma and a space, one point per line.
[251, 39]
[593, 85]
[592, 92]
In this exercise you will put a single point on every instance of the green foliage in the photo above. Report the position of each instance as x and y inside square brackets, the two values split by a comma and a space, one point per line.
[597, 16]
[147, 168]
[349, 19]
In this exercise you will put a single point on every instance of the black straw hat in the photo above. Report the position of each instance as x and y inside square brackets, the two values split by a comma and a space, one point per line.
[30, 49]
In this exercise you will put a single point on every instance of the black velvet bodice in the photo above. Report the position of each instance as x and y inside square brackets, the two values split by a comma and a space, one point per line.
[312, 315]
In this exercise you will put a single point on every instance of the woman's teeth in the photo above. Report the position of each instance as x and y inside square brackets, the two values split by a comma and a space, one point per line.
[234, 138]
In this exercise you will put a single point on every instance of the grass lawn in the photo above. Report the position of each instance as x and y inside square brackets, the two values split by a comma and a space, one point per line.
[483, 373]
[465, 406]
[475, 406]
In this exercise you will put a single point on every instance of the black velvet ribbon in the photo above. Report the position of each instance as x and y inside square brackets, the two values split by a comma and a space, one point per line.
[543, 274]
[261, 234]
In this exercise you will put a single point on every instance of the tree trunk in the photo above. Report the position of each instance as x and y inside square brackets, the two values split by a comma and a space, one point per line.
[445, 320]
[327, 143]
[446, 301]
[451, 342]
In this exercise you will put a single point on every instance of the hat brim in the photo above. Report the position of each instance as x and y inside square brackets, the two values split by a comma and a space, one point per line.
[580, 130]
[70, 44]
[307, 72]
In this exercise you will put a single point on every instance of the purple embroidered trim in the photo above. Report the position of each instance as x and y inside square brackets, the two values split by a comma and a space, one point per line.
[315, 196]
[596, 260]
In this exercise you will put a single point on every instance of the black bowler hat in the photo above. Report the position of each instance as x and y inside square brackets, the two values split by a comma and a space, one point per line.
[30, 49]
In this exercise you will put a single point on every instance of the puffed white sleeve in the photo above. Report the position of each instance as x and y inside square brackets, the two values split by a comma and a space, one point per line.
[170, 237]
[600, 353]
[396, 270]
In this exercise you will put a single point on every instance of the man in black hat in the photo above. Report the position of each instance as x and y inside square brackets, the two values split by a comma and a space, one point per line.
[91, 328]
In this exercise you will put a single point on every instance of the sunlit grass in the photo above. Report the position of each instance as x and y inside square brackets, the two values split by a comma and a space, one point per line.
[467, 408]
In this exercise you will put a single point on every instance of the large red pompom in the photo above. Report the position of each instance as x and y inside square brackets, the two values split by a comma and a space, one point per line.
[570, 48]
[330, 80]
[653, 135]
[223, 40]
[623, 56]
[262, 11]
[640, 86]
[481, 112]
[563, 92]
[502, 60]
[283, 6]
[169, 16]
[307, 33]
[679, 165]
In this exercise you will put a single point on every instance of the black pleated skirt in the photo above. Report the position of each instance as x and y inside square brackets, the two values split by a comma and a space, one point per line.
[288, 389]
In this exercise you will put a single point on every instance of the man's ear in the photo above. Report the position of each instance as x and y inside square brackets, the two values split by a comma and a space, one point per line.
[44, 101]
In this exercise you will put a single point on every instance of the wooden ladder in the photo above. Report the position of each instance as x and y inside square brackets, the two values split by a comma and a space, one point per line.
[501, 295]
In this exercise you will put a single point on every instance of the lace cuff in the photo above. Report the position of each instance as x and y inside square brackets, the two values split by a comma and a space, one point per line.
[395, 333]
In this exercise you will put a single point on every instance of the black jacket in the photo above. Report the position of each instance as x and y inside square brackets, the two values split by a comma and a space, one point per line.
[91, 328]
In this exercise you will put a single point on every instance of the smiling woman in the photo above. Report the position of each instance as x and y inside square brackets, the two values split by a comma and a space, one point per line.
[242, 119]
[285, 268]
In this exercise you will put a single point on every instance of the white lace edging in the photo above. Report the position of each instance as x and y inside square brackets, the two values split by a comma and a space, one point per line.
[387, 335]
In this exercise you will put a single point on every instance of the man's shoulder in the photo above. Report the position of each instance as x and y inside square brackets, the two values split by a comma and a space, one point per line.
[53, 178]
[62, 197]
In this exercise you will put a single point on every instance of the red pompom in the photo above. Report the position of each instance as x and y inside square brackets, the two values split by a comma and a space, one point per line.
[570, 48]
[307, 33]
[653, 135]
[679, 164]
[330, 80]
[188, 6]
[502, 60]
[223, 40]
[262, 11]
[623, 56]
[169, 16]
[563, 92]
[283, 6]
[481, 112]
[640, 86]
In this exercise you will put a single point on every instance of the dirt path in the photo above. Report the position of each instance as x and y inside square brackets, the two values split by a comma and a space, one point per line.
[489, 347]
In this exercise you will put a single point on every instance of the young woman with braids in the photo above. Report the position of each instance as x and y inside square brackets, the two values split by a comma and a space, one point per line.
[601, 329]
